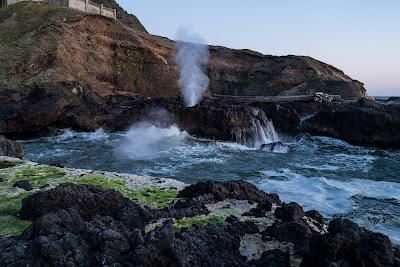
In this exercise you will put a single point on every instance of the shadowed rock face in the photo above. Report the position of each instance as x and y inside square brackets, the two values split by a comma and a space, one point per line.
[213, 191]
[364, 123]
[10, 148]
[41, 111]
[346, 244]
[67, 232]
[88, 201]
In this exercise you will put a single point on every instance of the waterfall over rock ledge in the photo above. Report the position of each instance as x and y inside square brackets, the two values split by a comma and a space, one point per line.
[261, 131]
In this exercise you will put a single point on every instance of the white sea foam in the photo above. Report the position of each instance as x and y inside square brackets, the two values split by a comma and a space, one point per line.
[352, 162]
[324, 167]
[72, 136]
[144, 140]
[328, 196]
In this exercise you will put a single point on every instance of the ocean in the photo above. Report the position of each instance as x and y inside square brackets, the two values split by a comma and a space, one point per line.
[329, 175]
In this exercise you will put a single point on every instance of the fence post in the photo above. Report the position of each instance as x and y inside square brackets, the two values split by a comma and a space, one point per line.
[101, 9]
[115, 14]
[86, 5]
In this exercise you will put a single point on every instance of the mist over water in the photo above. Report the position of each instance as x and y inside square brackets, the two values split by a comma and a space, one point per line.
[145, 140]
[156, 133]
[191, 58]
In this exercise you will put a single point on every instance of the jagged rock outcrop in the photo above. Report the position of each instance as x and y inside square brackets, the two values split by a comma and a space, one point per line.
[214, 191]
[10, 148]
[67, 234]
[347, 244]
[364, 123]
[88, 201]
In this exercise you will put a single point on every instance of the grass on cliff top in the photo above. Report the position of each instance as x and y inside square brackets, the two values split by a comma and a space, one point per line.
[25, 17]
[11, 226]
[153, 196]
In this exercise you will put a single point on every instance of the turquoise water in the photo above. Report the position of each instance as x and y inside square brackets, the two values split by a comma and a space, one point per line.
[329, 175]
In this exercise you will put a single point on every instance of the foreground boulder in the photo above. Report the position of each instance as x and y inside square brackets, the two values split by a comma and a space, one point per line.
[214, 191]
[88, 201]
[10, 148]
[347, 244]
[24, 184]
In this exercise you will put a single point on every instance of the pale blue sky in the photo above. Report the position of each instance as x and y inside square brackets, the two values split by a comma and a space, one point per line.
[360, 37]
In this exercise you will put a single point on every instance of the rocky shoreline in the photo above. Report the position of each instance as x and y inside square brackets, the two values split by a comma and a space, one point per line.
[85, 218]
[360, 122]
[64, 69]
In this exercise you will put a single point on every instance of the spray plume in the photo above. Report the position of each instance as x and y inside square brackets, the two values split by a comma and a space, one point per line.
[191, 58]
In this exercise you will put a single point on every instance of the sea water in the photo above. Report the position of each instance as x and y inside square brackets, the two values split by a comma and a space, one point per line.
[331, 176]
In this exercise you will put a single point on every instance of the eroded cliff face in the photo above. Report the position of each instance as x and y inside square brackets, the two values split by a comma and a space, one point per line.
[46, 45]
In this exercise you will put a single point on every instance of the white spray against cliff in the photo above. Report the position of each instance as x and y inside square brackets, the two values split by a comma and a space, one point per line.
[192, 57]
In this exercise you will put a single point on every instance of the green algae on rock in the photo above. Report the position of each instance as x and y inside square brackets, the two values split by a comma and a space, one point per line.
[184, 223]
[148, 191]
[38, 175]
[151, 196]
[11, 203]
[12, 226]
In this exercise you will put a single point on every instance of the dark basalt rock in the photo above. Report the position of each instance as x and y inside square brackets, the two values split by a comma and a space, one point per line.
[50, 107]
[63, 238]
[180, 211]
[297, 233]
[76, 225]
[363, 123]
[272, 258]
[347, 244]
[201, 245]
[274, 147]
[213, 191]
[259, 211]
[24, 184]
[10, 148]
[291, 212]
[88, 201]
[315, 215]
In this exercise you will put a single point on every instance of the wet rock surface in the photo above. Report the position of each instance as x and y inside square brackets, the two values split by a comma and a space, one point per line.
[44, 110]
[347, 244]
[213, 191]
[90, 226]
[10, 148]
[24, 184]
[363, 123]
[88, 201]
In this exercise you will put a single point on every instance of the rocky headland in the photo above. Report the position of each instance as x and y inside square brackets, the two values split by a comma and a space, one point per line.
[66, 69]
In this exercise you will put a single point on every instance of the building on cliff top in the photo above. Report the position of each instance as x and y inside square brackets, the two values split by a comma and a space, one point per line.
[82, 5]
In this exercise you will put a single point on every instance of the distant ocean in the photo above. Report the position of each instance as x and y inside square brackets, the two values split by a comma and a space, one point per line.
[382, 97]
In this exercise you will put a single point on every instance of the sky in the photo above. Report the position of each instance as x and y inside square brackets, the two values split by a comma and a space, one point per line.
[360, 37]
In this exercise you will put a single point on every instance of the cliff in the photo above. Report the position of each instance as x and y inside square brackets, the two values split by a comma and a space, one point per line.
[47, 45]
